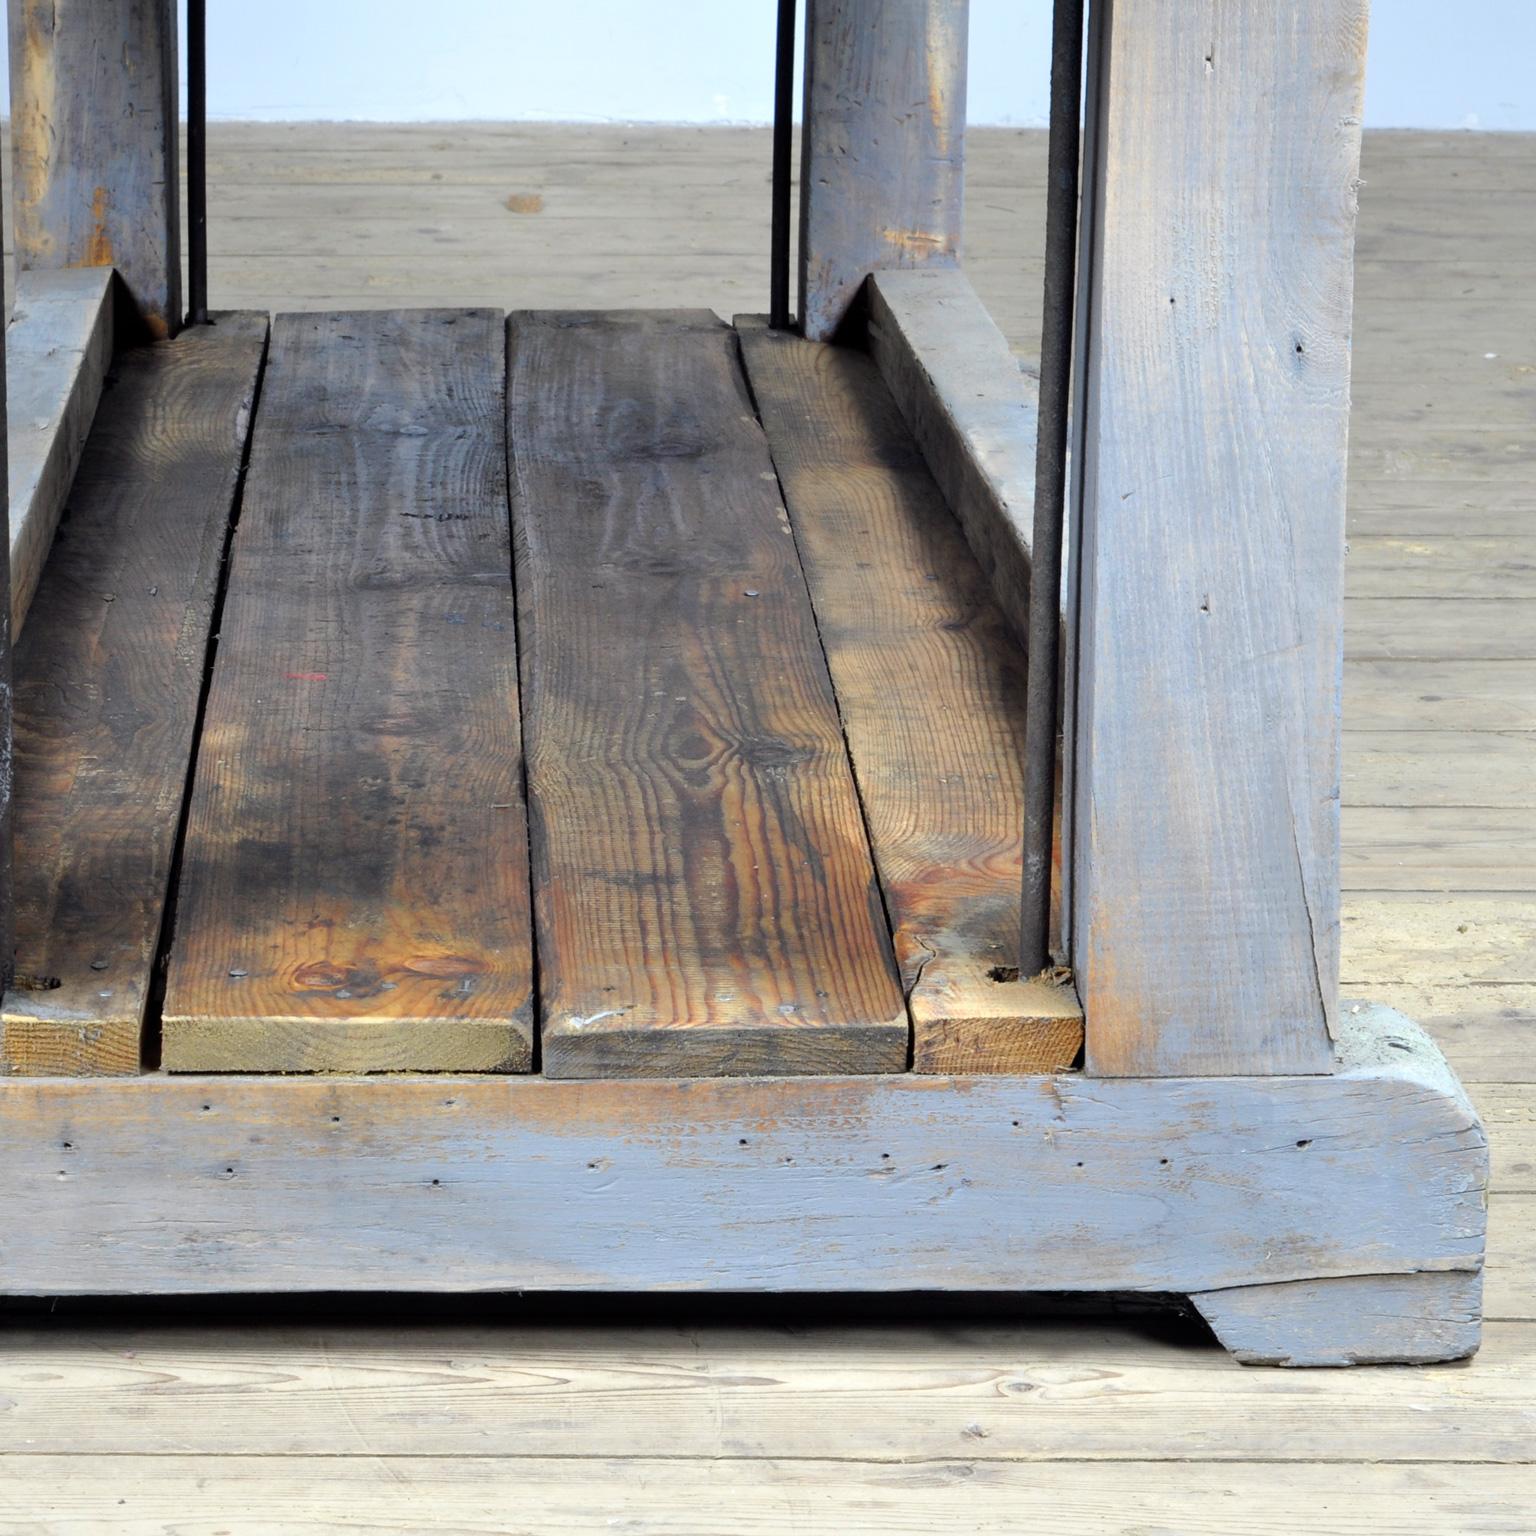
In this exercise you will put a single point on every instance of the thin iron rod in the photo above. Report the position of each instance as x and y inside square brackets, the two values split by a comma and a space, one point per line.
[1042, 704]
[783, 144]
[197, 162]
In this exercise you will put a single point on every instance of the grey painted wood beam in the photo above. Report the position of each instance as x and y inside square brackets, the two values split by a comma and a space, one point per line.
[94, 118]
[58, 347]
[879, 1183]
[1206, 755]
[883, 148]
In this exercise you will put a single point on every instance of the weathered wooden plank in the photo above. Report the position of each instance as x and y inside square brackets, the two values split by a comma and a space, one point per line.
[94, 104]
[704, 892]
[1206, 885]
[58, 345]
[670, 1496]
[1441, 628]
[1440, 695]
[930, 686]
[1465, 768]
[974, 412]
[879, 1183]
[108, 677]
[1463, 564]
[883, 148]
[1406, 937]
[870, 1378]
[1439, 848]
[356, 852]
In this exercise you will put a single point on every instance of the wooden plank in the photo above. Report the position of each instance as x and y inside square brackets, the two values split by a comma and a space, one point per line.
[1465, 768]
[108, 678]
[1467, 938]
[930, 686]
[1440, 695]
[1439, 848]
[94, 93]
[1206, 885]
[950, 1496]
[974, 412]
[883, 149]
[354, 892]
[1460, 565]
[704, 892]
[767, 1379]
[1440, 627]
[58, 345]
[880, 1183]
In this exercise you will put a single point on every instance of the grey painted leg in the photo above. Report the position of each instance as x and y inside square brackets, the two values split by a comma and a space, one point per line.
[1412, 1319]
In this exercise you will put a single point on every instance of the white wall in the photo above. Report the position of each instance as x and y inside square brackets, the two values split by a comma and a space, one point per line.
[1434, 64]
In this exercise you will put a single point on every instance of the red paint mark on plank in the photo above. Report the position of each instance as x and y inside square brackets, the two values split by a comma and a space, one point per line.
[308, 677]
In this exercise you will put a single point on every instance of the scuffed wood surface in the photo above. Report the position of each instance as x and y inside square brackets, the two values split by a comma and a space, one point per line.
[108, 676]
[57, 349]
[974, 412]
[1206, 837]
[94, 111]
[883, 150]
[356, 851]
[876, 1183]
[930, 686]
[705, 897]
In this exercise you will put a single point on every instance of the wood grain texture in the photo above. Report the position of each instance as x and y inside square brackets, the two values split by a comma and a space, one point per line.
[974, 411]
[880, 1183]
[883, 150]
[948, 1496]
[878, 1378]
[356, 852]
[108, 676]
[704, 892]
[94, 93]
[1414, 1319]
[1206, 884]
[930, 686]
[58, 346]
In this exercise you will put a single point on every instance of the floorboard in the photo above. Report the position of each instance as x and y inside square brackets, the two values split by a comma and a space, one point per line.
[930, 684]
[108, 675]
[705, 898]
[354, 890]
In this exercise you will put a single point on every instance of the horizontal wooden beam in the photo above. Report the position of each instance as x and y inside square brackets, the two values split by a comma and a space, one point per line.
[974, 410]
[811, 1184]
[57, 350]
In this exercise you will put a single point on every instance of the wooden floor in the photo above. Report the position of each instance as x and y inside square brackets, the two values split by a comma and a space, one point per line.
[515, 1416]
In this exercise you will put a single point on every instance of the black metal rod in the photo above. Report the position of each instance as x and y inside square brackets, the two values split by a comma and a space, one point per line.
[783, 154]
[197, 163]
[1042, 704]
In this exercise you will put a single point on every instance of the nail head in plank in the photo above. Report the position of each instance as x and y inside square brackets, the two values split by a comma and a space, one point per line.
[930, 685]
[705, 898]
[108, 676]
[58, 346]
[356, 849]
